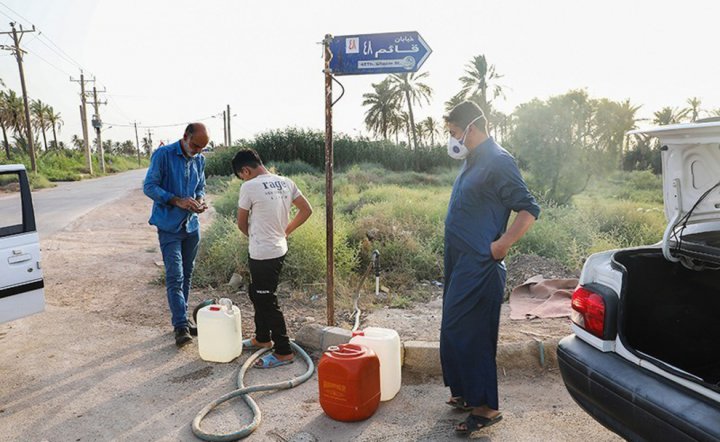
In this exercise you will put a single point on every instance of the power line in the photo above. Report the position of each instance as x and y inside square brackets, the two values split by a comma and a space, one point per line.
[62, 57]
[43, 38]
[15, 12]
[9, 18]
[157, 126]
[117, 108]
[38, 56]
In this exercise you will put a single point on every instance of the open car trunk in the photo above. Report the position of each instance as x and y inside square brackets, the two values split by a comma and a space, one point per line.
[670, 313]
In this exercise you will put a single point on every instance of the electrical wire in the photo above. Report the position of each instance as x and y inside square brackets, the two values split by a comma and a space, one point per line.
[157, 126]
[682, 222]
[14, 12]
[54, 66]
[341, 94]
[9, 18]
[68, 60]
[44, 39]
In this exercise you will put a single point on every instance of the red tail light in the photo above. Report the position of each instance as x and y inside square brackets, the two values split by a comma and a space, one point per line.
[589, 311]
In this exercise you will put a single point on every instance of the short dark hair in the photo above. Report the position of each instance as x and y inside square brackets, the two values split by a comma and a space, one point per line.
[190, 129]
[246, 158]
[462, 114]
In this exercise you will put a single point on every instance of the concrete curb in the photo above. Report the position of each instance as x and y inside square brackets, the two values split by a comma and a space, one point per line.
[423, 357]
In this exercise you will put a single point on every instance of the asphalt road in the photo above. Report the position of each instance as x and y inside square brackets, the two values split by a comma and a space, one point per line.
[56, 208]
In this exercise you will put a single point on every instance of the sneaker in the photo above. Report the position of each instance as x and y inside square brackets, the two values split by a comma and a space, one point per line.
[182, 336]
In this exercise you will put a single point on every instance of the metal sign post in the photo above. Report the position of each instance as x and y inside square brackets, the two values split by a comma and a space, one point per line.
[388, 53]
[329, 243]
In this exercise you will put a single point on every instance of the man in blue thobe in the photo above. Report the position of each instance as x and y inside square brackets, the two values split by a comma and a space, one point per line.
[487, 189]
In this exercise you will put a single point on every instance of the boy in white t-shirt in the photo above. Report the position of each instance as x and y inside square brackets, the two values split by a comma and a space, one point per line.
[264, 217]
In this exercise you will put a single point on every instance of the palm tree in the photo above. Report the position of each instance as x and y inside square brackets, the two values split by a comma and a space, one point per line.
[396, 124]
[500, 123]
[383, 105]
[669, 115]
[694, 109]
[454, 101]
[55, 120]
[431, 127]
[479, 79]
[38, 112]
[5, 121]
[78, 142]
[15, 109]
[612, 120]
[408, 90]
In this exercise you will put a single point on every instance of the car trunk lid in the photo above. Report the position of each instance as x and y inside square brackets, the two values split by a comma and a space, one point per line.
[691, 191]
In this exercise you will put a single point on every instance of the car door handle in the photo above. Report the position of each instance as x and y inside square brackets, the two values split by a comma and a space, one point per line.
[19, 258]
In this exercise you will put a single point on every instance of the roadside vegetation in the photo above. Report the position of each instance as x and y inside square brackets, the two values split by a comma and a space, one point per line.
[598, 187]
[55, 160]
[402, 215]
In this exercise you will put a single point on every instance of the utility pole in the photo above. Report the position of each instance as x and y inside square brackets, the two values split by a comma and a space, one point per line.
[97, 124]
[19, 57]
[83, 117]
[137, 143]
[229, 137]
[225, 142]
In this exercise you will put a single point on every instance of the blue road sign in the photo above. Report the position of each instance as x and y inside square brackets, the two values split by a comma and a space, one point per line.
[388, 53]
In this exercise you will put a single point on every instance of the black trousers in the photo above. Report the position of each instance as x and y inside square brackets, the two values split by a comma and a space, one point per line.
[269, 320]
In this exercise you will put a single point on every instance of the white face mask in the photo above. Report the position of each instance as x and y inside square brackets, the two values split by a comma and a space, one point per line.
[456, 149]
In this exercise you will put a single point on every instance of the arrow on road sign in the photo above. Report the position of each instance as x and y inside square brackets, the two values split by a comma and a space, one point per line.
[388, 53]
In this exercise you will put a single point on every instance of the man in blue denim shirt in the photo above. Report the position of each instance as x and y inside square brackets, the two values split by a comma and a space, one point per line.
[175, 181]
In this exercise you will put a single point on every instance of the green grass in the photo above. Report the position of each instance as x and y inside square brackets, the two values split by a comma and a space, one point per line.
[402, 215]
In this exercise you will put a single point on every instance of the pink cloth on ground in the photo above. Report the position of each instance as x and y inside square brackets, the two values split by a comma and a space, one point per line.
[542, 298]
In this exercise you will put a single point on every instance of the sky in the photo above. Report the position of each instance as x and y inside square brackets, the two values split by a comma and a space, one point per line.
[170, 62]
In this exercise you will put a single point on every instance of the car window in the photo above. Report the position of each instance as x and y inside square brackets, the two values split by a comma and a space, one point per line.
[11, 213]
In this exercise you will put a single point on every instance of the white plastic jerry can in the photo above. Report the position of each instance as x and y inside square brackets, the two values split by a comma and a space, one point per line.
[385, 343]
[219, 332]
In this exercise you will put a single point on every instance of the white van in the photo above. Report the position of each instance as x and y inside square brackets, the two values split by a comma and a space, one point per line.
[21, 279]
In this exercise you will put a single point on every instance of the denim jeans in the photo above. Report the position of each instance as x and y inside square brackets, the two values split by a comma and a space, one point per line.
[178, 250]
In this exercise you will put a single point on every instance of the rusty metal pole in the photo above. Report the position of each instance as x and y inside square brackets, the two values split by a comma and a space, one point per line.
[330, 288]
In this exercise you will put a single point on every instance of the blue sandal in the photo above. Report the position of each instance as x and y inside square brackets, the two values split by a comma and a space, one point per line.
[271, 361]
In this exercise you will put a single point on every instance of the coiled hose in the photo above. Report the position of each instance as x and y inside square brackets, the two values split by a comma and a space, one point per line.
[244, 392]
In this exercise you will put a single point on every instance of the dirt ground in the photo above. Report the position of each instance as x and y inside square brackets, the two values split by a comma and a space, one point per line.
[97, 366]
[123, 282]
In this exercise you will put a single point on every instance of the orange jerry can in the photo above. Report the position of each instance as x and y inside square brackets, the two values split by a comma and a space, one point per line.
[349, 382]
